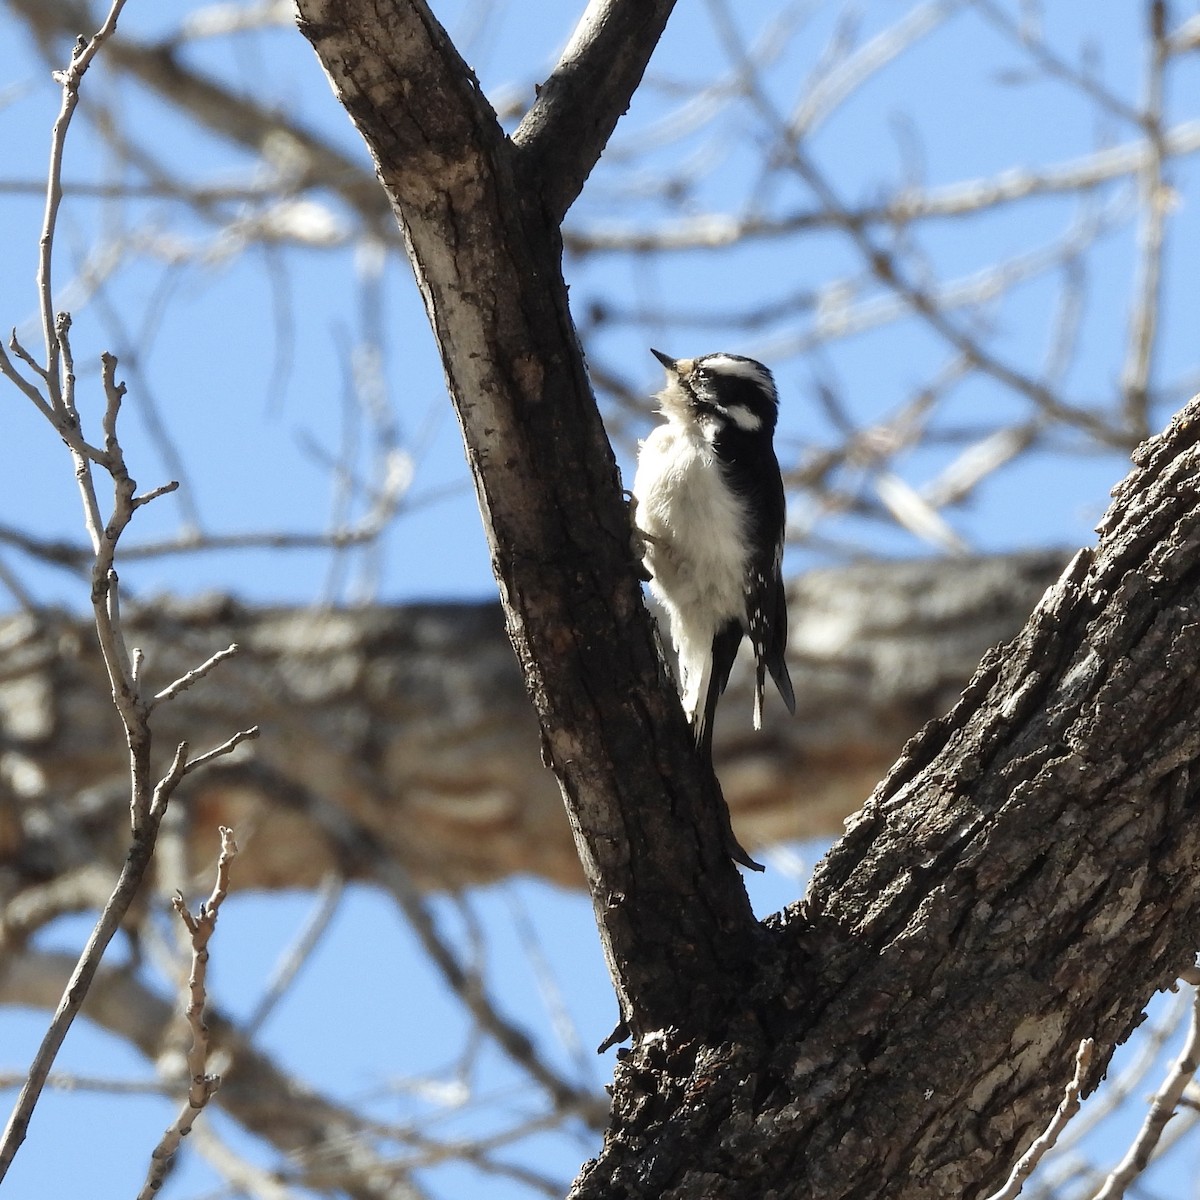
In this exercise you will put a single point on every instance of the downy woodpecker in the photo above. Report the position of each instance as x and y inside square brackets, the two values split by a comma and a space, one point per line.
[710, 509]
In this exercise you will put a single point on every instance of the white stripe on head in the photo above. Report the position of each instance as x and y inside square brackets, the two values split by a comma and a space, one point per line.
[747, 368]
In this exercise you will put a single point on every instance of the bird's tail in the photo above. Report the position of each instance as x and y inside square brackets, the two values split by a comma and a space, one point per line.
[783, 681]
[769, 659]
[724, 650]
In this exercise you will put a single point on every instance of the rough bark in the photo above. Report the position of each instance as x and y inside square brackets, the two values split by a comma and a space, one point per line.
[412, 721]
[1024, 877]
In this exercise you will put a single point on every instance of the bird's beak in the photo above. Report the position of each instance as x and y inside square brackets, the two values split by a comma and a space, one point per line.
[679, 367]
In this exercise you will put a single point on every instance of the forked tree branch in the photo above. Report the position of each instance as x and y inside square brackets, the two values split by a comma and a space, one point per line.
[675, 921]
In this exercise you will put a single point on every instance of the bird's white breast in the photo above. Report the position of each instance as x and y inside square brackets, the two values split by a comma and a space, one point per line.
[698, 558]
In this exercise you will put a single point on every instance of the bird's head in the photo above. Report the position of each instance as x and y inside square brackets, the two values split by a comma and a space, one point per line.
[720, 391]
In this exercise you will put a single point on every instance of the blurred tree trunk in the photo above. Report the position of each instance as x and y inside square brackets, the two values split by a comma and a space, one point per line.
[413, 721]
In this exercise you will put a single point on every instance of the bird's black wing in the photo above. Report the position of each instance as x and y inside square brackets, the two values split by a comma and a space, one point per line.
[752, 470]
[766, 614]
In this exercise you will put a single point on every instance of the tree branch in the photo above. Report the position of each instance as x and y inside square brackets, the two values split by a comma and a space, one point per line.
[1046, 1139]
[216, 106]
[1020, 880]
[1163, 1107]
[578, 106]
[202, 1085]
[414, 719]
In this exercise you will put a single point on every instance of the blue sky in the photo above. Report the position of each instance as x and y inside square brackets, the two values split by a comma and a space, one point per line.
[243, 355]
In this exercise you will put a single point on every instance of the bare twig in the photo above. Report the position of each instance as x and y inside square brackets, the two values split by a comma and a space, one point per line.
[243, 735]
[848, 76]
[64, 1081]
[1068, 1107]
[148, 801]
[841, 313]
[885, 266]
[68, 424]
[469, 988]
[914, 512]
[329, 897]
[359, 845]
[86, 887]
[714, 230]
[24, 355]
[16, 589]
[145, 831]
[243, 1177]
[956, 481]
[128, 882]
[1130, 1080]
[1056, 66]
[10, 372]
[54, 333]
[1185, 37]
[553, 1000]
[1156, 201]
[202, 1085]
[163, 489]
[1162, 1109]
[75, 556]
[196, 673]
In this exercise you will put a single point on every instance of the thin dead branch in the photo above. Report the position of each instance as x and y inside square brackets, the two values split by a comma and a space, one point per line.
[202, 1084]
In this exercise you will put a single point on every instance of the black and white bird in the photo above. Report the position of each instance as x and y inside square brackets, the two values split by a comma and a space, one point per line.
[710, 509]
